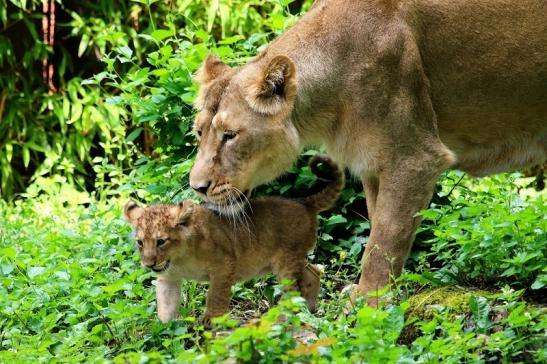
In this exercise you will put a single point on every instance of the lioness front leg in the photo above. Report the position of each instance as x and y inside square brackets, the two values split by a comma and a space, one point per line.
[167, 298]
[401, 195]
[370, 185]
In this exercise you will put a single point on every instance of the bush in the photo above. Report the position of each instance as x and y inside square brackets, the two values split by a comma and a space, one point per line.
[72, 289]
[61, 126]
[490, 235]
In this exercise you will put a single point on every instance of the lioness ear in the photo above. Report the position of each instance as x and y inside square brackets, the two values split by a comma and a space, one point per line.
[183, 213]
[211, 68]
[275, 89]
[131, 212]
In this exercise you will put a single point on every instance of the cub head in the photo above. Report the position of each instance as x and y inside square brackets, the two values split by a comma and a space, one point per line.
[243, 127]
[161, 232]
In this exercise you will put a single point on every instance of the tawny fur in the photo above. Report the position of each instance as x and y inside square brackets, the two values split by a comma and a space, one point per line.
[397, 90]
[195, 243]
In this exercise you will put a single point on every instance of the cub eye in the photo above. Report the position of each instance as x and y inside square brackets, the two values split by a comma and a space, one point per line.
[228, 135]
[139, 243]
[199, 133]
[160, 242]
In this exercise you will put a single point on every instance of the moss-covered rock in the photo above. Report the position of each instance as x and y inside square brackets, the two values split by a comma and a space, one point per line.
[451, 300]
[454, 299]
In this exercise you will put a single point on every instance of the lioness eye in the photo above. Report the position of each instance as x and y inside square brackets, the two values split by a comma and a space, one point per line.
[199, 132]
[160, 242]
[228, 135]
[139, 243]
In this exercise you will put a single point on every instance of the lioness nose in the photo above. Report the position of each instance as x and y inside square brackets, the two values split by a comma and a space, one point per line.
[201, 187]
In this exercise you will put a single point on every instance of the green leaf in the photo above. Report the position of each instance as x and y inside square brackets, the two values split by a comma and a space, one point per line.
[356, 247]
[134, 134]
[231, 40]
[26, 156]
[9, 151]
[33, 272]
[540, 282]
[480, 309]
[9, 252]
[63, 275]
[84, 42]
[336, 219]
[7, 268]
[202, 34]
[114, 100]
[394, 323]
[161, 34]
[211, 14]
[166, 51]
[125, 51]
[76, 112]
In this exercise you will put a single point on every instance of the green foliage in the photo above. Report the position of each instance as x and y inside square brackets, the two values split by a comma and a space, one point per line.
[148, 50]
[56, 132]
[490, 235]
[72, 289]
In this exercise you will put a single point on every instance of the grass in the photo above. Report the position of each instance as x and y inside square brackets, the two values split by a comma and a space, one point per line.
[72, 290]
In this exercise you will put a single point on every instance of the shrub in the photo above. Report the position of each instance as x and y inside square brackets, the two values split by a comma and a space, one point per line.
[490, 235]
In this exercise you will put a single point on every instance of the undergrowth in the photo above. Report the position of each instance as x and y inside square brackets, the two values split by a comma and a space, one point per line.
[72, 290]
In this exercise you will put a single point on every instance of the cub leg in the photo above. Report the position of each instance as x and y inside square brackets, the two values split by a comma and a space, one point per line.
[218, 296]
[310, 284]
[400, 198]
[167, 298]
[306, 278]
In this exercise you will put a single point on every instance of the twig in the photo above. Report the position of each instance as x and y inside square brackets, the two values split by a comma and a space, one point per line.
[456, 185]
[23, 322]
[114, 338]
[2, 104]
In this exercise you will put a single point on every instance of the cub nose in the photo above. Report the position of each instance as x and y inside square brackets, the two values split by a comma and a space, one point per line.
[148, 260]
[201, 187]
[149, 264]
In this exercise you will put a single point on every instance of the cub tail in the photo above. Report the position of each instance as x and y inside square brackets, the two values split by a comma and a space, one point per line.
[335, 179]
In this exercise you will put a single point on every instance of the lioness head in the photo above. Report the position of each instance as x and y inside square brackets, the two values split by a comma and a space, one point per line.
[243, 128]
[160, 232]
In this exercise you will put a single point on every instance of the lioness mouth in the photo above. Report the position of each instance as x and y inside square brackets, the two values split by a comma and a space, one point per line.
[232, 208]
[161, 268]
[240, 197]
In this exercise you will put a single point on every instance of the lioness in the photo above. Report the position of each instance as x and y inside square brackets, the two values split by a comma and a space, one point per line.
[397, 90]
[192, 241]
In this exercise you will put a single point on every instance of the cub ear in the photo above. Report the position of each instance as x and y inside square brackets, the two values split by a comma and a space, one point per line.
[131, 212]
[183, 214]
[275, 88]
[211, 68]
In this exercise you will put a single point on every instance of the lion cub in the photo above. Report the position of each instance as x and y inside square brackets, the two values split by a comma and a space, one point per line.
[191, 241]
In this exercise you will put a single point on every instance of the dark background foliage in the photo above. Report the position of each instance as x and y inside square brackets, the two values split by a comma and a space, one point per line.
[64, 127]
